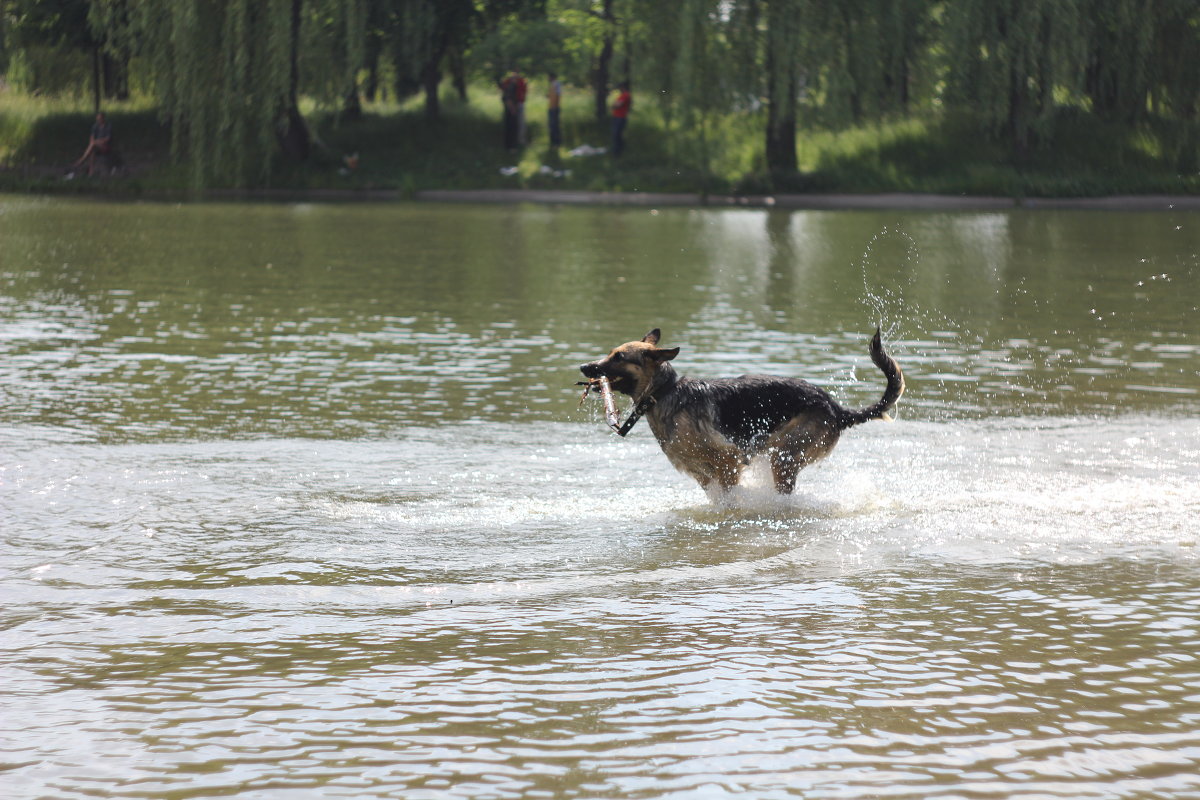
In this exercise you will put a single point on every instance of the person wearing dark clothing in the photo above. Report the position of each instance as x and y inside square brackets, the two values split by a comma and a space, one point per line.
[620, 117]
[99, 142]
[508, 96]
[554, 102]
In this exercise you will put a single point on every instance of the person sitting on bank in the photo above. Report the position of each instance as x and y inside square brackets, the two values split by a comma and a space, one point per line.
[99, 143]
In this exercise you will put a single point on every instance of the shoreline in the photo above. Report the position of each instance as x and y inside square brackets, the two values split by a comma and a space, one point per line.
[817, 202]
[832, 201]
[796, 202]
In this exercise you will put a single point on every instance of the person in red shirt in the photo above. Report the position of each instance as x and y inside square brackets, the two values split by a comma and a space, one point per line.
[620, 116]
[522, 90]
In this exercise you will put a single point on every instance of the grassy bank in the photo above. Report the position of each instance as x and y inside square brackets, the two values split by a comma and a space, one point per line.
[398, 149]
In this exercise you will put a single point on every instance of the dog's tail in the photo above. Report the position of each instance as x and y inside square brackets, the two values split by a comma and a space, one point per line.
[895, 388]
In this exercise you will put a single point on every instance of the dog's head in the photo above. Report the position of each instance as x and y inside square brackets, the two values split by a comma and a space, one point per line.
[631, 368]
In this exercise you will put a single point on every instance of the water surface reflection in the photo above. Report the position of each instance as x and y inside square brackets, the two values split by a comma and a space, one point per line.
[298, 501]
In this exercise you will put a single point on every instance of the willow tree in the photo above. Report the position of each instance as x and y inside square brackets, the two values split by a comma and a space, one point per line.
[429, 31]
[714, 58]
[880, 47]
[1118, 77]
[227, 77]
[1174, 95]
[597, 26]
[1007, 60]
[606, 16]
[685, 57]
[41, 32]
[333, 50]
[1174, 60]
[1142, 59]
[846, 61]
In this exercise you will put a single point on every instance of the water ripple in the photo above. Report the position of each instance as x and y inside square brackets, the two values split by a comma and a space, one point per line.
[971, 684]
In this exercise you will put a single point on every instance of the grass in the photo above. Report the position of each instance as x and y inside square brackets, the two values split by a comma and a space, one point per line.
[40, 137]
[399, 150]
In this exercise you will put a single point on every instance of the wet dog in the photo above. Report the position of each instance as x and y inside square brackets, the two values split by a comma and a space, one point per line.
[711, 429]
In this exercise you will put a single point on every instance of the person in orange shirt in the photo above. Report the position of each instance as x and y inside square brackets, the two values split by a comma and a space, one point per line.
[620, 117]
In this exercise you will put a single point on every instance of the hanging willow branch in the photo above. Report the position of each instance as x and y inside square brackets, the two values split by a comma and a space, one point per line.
[226, 72]
[1010, 60]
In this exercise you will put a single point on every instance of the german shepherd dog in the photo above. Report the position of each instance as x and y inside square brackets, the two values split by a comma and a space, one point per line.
[711, 429]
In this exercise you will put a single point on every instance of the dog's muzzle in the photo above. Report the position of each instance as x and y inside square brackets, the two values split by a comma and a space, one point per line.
[591, 370]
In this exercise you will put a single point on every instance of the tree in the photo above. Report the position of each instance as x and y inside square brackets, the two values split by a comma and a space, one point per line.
[333, 50]
[1008, 58]
[60, 26]
[228, 74]
[424, 33]
[292, 132]
[784, 37]
[601, 78]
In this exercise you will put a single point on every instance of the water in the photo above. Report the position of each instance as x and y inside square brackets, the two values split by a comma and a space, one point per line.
[297, 501]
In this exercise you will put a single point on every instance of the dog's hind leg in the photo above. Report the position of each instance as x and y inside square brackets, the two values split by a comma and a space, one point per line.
[803, 441]
[784, 469]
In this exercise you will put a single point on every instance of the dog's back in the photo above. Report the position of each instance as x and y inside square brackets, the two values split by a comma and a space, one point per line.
[746, 409]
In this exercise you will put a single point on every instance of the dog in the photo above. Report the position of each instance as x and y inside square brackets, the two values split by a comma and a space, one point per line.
[711, 429]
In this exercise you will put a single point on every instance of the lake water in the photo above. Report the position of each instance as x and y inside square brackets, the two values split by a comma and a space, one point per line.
[298, 501]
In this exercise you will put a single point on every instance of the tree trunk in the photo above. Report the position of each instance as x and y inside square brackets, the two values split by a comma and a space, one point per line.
[781, 120]
[458, 73]
[371, 87]
[96, 79]
[352, 110]
[431, 77]
[293, 133]
[1019, 128]
[600, 75]
[115, 74]
[783, 80]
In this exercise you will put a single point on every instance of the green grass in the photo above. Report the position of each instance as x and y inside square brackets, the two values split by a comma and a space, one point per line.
[41, 137]
[400, 150]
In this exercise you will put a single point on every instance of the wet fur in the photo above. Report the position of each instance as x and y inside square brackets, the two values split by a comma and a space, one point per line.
[711, 429]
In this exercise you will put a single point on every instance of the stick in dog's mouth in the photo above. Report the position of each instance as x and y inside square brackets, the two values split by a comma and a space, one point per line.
[611, 416]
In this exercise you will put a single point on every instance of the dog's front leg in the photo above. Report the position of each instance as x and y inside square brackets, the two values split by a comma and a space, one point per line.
[712, 467]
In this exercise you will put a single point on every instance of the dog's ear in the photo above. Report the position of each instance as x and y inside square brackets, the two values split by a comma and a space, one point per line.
[651, 337]
[664, 355]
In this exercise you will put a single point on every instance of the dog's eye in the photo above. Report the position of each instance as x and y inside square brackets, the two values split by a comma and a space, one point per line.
[617, 357]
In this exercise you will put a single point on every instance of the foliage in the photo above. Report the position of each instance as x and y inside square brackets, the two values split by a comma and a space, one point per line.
[534, 46]
[1012, 58]
[226, 73]
[48, 44]
[221, 75]
[229, 76]
[333, 49]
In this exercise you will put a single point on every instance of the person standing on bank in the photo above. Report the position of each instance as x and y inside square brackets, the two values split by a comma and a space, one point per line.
[620, 116]
[554, 102]
[508, 97]
[522, 90]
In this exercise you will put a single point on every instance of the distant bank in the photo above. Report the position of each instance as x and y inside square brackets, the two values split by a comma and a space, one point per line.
[894, 200]
[897, 200]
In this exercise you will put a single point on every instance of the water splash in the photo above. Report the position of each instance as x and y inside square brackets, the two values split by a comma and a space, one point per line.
[888, 302]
